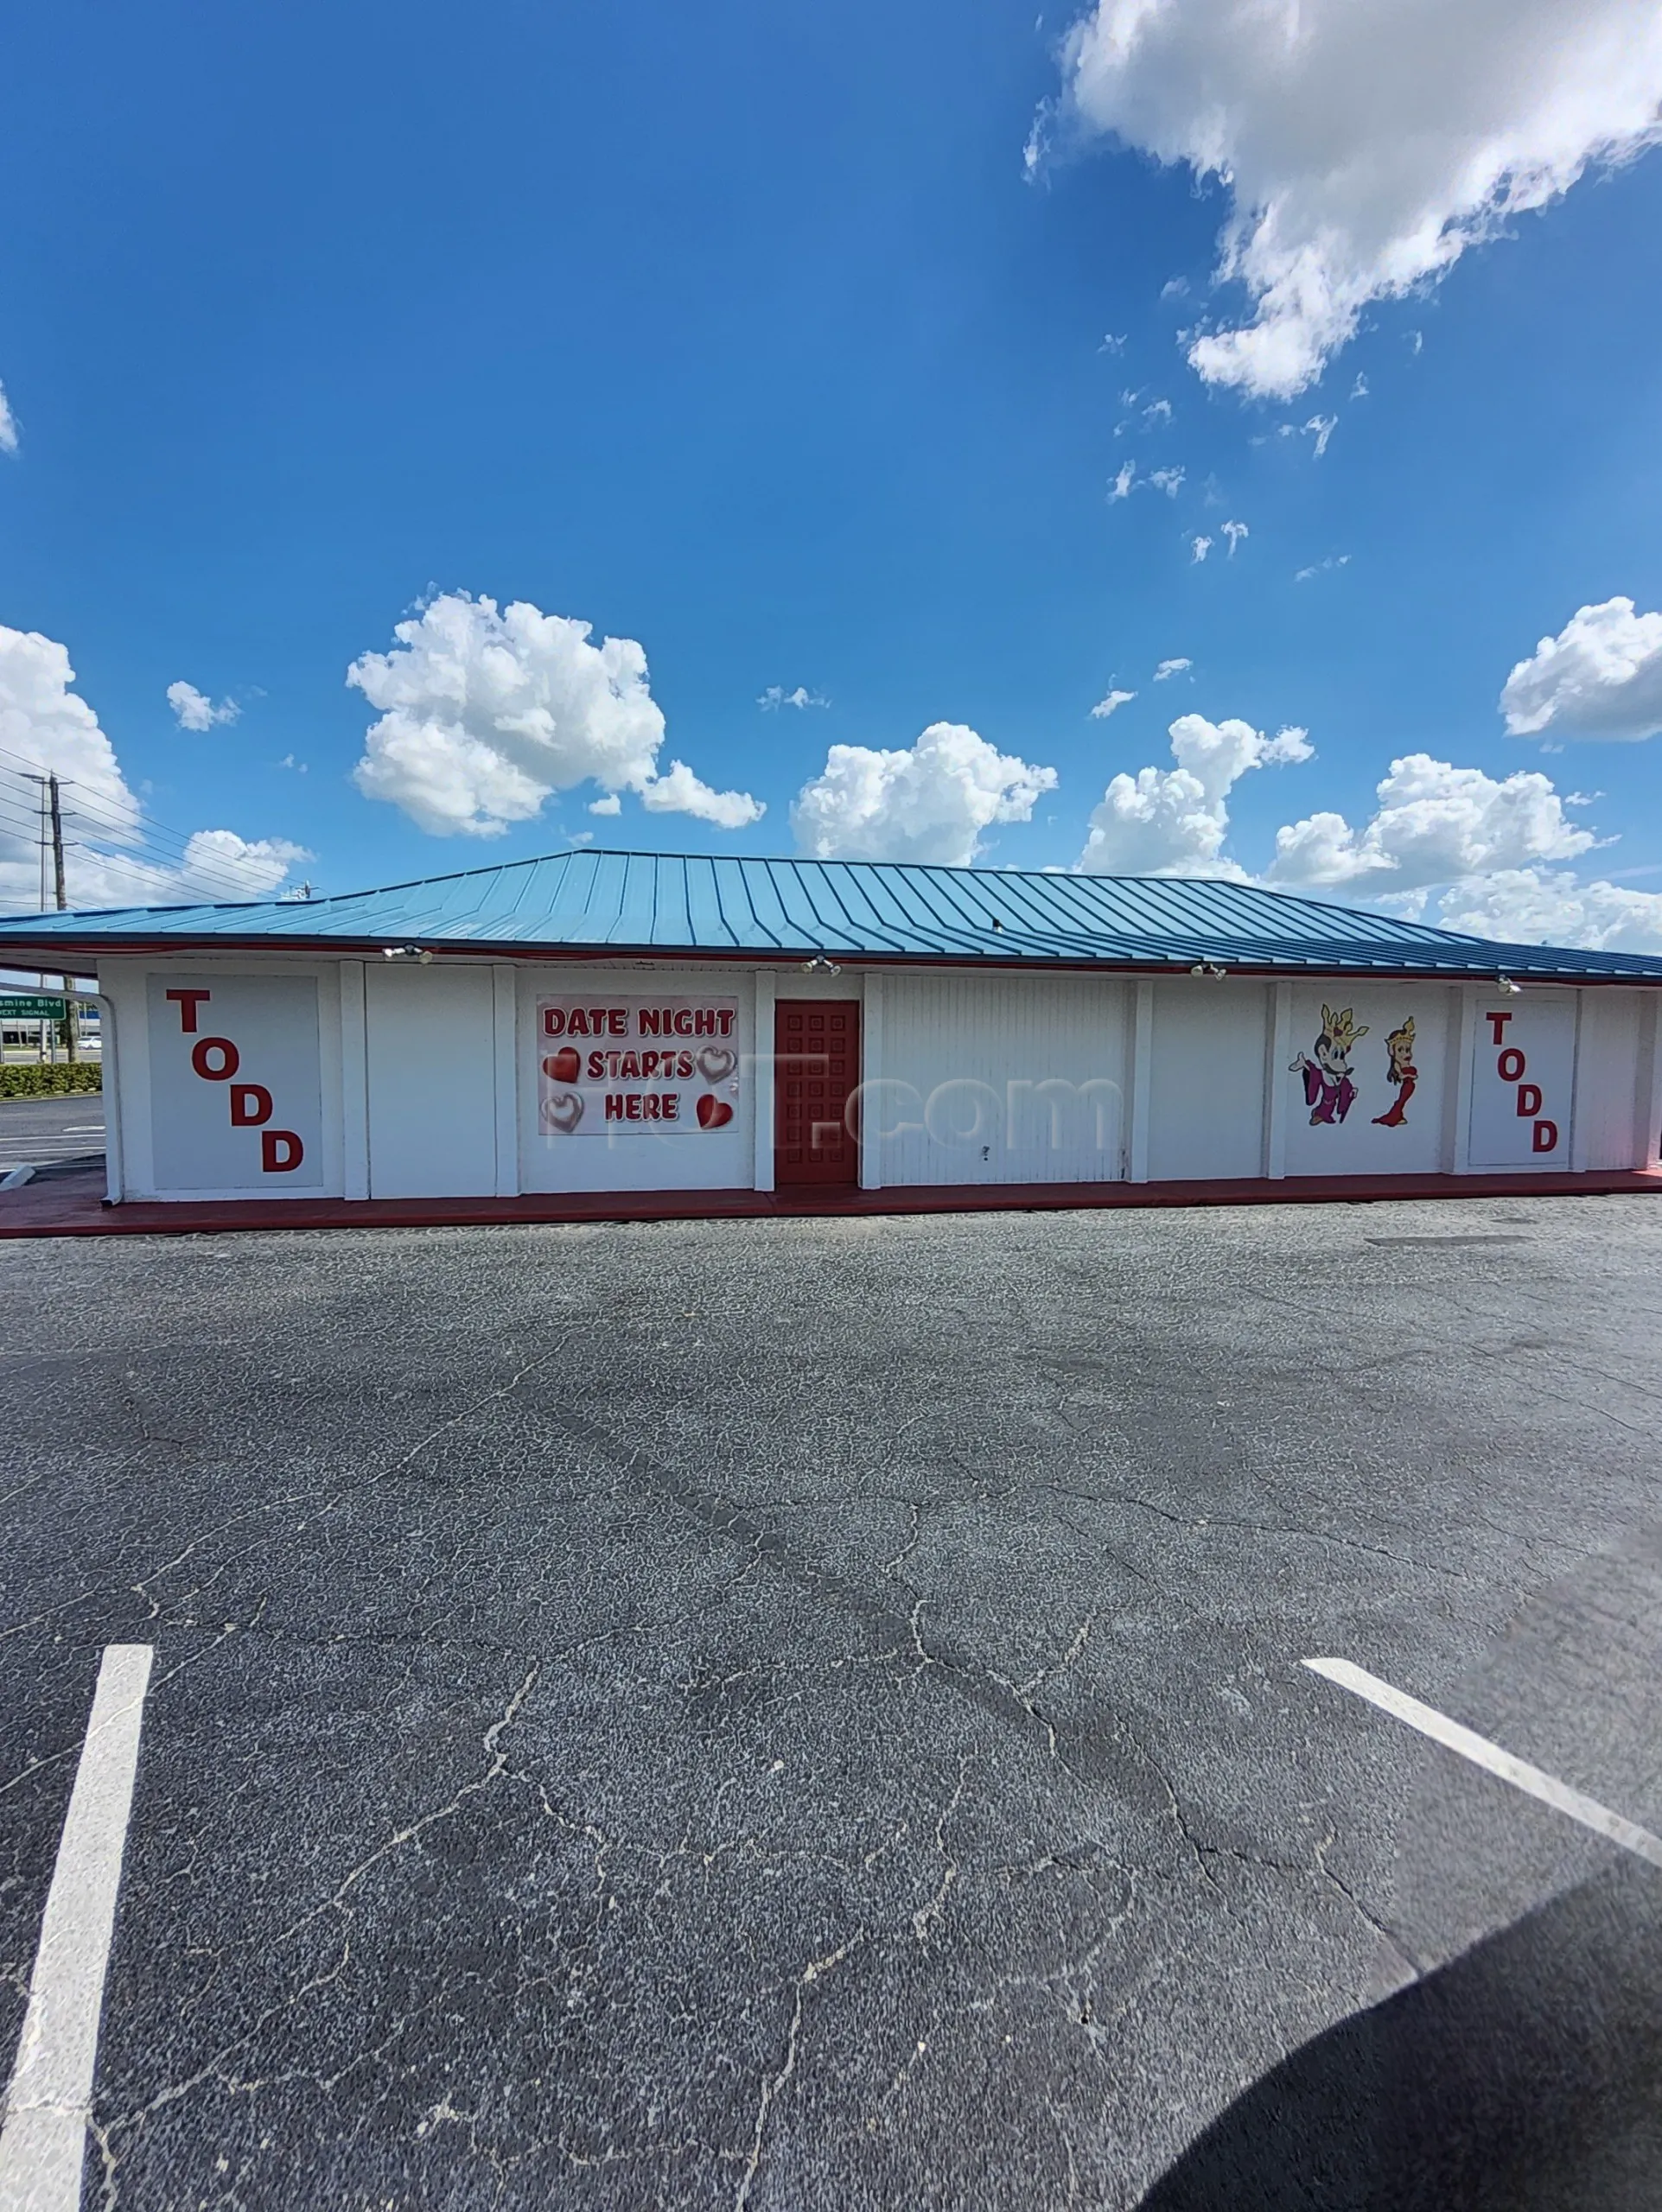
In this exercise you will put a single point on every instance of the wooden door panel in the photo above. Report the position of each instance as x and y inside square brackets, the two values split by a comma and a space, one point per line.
[816, 1071]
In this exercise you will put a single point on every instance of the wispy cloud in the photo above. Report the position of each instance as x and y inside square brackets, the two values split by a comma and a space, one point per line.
[1234, 531]
[1199, 547]
[1110, 704]
[776, 696]
[1320, 427]
[1321, 568]
[1158, 410]
[1180, 664]
[1124, 479]
[1175, 288]
[1168, 481]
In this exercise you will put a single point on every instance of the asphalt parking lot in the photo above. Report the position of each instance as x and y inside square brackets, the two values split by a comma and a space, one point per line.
[811, 1715]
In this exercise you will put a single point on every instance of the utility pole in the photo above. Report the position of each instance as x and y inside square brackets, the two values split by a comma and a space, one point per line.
[55, 814]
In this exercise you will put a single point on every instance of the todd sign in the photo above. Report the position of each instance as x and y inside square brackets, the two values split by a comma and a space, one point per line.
[1523, 1074]
[235, 1091]
[624, 1063]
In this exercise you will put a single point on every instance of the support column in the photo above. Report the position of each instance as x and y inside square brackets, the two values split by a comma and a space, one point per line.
[761, 1082]
[1277, 1094]
[505, 986]
[110, 1059]
[1649, 1146]
[1142, 1081]
[1459, 1150]
[354, 1083]
[871, 1072]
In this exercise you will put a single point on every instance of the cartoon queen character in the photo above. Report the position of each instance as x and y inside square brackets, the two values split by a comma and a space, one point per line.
[1401, 1070]
[1328, 1091]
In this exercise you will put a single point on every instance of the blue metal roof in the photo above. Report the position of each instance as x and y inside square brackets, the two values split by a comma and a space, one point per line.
[598, 903]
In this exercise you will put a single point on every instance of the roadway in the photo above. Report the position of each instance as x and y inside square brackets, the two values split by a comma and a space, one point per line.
[42, 1132]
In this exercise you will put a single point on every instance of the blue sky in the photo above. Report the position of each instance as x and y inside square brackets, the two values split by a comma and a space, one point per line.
[745, 334]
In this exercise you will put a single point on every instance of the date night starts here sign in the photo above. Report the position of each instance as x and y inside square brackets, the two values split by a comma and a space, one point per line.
[625, 1063]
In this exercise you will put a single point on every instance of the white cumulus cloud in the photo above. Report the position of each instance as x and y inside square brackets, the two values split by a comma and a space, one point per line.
[1433, 824]
[195, 710]
[484, 712]
[1537, 905]
[1364, 144]
[113, 857]
[1600, 676]
[677, 791]
[219, 864]
[1173, 820]
[932, 803]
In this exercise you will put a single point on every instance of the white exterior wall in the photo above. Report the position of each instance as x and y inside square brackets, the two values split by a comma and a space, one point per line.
[965, 1058]
[429, 1041]
[1612, 1056]
[427, 1080]
[1206, 1099]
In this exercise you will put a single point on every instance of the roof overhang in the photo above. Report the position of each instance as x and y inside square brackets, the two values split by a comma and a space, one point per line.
[80, 956]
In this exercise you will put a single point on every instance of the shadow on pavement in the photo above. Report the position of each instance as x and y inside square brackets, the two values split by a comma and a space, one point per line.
[1524, 2077]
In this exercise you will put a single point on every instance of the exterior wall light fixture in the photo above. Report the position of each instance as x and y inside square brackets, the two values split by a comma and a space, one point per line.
[407, 952]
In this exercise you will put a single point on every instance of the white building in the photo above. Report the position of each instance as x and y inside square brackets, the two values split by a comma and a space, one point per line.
[639, 1024]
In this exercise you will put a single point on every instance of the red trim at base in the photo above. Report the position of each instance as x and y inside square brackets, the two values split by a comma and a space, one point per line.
[70, 1206]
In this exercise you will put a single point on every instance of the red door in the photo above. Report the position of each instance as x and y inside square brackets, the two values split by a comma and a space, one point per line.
[816, 1071]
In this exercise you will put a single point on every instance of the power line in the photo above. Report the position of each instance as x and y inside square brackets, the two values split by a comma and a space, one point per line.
[152, 849]
[194, 872]
[161, 834]
[117, 825]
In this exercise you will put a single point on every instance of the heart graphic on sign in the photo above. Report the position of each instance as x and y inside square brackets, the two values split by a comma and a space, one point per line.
[563, 1066]
[563, 1111]
[715, 1062]
[713, 1113]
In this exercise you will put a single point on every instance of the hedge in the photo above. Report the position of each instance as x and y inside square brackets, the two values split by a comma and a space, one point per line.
[42, 1079]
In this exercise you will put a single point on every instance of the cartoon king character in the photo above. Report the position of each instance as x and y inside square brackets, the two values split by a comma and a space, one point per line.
[1401, 1070]
[1328, 1091]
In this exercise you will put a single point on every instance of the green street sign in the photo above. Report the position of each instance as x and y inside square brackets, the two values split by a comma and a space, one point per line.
[33, 1009]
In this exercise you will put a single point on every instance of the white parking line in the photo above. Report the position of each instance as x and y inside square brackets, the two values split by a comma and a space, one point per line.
[1481, 1752]
[50, 2099]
